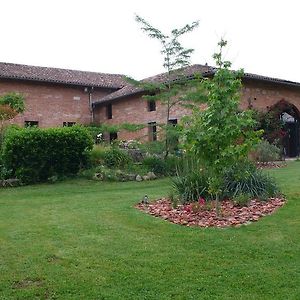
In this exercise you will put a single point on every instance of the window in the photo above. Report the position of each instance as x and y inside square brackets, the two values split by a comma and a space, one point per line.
[113, 136]
[109, 111]
[173, 122]
[152, 131]
[31, 123]
[172, 135]
[151, 105]
[68, 124]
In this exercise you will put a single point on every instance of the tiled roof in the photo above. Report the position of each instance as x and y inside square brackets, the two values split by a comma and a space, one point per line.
[64, 76]
[271, 79]
[190, 71]
[131, 89]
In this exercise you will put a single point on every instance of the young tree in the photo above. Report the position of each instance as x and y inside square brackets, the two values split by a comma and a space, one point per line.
[175, 57]
[221, 134]
[11, 104]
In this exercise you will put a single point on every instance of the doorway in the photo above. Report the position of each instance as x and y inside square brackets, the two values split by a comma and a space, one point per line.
[290, 117]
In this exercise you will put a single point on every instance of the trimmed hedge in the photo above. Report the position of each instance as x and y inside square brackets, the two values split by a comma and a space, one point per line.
[34, 154]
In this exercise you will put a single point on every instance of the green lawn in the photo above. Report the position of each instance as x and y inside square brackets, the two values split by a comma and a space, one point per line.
[84, 240]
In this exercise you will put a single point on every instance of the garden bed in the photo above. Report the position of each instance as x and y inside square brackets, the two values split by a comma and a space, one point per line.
[271, 165]
[202, 216]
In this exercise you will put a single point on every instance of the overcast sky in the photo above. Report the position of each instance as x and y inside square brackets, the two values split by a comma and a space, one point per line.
[102, 36]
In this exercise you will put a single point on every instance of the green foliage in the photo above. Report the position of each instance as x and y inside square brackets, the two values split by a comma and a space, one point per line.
[116, 158]
[155, 164]
[96, 129]
[191, 180]
[271, 123]
[34, 154]
[13, 100]
[264, 152]
[161, 166]
[11, 104]
[241, 199]
[244, 178]
[152, 148]
[97, 154]
[175, 58]
[221, 133]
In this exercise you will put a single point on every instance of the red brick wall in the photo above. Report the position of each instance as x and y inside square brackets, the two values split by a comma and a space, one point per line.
[264, 95]
[134, 109]
[51, 104]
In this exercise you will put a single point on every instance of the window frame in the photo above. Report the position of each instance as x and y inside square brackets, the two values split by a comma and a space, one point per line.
[109, 113]
[152, 131]
[31, 124]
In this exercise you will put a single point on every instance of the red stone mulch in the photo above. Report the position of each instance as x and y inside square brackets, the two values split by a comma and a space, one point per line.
[271, 165]
[230, 215]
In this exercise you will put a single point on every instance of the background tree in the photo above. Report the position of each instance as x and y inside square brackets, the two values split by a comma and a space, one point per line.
[175, 57]
[221, 134]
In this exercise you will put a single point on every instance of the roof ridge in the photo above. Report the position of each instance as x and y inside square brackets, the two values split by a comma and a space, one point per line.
[59, 75]
[56, 68]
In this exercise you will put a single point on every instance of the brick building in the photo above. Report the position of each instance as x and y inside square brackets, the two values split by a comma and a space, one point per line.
[57, 97]
[259, 92]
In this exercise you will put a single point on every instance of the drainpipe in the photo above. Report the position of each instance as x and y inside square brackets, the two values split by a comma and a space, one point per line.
[90, 92]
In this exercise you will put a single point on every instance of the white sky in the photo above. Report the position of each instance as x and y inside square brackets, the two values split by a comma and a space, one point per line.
[102, 36]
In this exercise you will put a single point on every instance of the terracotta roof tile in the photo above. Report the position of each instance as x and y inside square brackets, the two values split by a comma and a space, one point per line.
[205, 70]
[64, 76]
[130, 89]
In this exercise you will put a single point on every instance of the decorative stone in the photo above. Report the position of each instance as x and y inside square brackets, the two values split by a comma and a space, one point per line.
[12, 182]
[230, 214]
[151, 175]
[98, 176]
[138, 178]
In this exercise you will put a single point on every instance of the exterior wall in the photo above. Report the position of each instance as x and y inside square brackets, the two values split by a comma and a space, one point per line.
[264, 95]
[134, 110]
[261, 95]
[51, 104]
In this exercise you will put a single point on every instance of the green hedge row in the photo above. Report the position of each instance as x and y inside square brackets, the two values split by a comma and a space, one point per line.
[35, 154]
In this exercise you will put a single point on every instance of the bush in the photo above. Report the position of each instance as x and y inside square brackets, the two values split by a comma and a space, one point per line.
[97, 154]
[191, 180]
[116, 158]
[266, 152]
[241, 199]
[244, 178]
[153, 148]
[241, 182]
[155, 164]
[34, 154]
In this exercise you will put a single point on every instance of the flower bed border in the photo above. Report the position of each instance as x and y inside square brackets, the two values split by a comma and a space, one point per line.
[230, 215]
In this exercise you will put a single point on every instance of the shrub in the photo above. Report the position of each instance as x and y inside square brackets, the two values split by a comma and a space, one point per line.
[116, 158]
[161, 166]
[95, 131]
[171, 163]
[97, 154]
[191, 180]
[241, 199]
[241, 182]
[153, 148]
[155, 164]
[244, 178]
[265, 152]
[34, 154]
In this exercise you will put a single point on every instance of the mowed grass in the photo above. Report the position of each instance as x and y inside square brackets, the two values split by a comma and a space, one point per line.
[84, 240]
